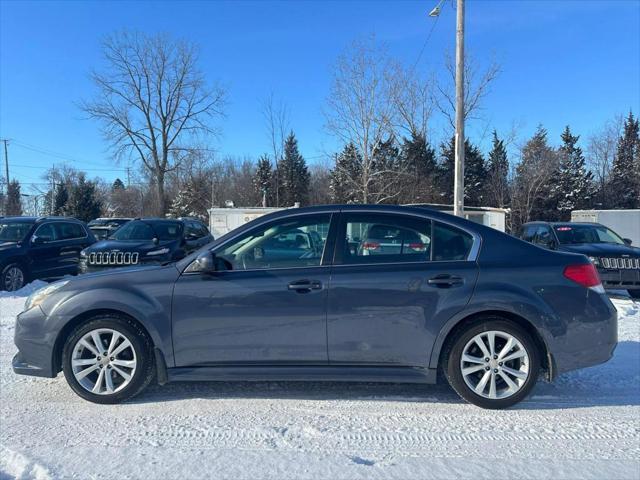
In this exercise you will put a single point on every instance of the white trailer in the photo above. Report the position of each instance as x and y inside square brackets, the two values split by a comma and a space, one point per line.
[223, 220]
[625, 223]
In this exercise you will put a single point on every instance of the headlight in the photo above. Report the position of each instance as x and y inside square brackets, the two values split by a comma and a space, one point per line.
[161, 251]
[595, 261]
[37, 297]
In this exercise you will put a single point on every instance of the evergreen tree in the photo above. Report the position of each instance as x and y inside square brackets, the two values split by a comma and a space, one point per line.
[497, 174]
[60, 199]
[625, 174]
[474, 173]
[117, 185]
[346, 175]
[263, 181]
[386, 173]
[293, 175]
[83, 203]
[573, 183]
[192, 200]
[14, 199]
[418, 160]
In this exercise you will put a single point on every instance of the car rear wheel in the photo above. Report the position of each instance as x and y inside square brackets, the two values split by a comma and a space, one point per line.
[108, 359]
[13, 277]
[492, 364]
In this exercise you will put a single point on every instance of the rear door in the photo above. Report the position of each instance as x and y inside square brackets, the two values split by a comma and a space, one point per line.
[71, 238]
[386, 305]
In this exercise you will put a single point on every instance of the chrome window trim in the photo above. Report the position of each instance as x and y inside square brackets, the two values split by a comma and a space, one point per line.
[472, 257]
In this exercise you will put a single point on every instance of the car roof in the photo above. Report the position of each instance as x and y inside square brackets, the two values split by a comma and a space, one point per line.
[38, 219]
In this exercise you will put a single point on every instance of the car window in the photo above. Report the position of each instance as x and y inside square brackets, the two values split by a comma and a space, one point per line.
[46, 232]
[194, 229]
[575, 234]
[543, 236]
[284, 244]
[377, 238]
[14, 231]
[68, 230]
[529, 233]
[450, 243]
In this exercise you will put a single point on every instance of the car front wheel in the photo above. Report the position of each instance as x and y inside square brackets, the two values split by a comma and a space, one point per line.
[108, 359]
[13, 277]
[493, 364]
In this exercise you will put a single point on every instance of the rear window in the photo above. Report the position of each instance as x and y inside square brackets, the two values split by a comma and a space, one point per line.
[141, 230]
[14, 231]
[450, 243]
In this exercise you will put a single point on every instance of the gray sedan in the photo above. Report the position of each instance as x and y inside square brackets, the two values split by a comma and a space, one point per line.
[489, 312]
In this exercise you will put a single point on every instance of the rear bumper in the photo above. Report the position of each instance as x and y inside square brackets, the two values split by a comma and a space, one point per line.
[35, 347]
[590, 339]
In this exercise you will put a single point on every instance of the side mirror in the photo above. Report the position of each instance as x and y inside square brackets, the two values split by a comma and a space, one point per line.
[37, 240]
[627, 241]
[553, 245]
[205, 262]
[155, 241]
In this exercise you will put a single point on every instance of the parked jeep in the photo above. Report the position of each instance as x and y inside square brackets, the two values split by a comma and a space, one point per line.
[148, 241]
[617, 262]
[104, 227]
[40, 248]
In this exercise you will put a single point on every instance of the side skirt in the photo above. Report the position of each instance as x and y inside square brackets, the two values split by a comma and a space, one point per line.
[303, 374]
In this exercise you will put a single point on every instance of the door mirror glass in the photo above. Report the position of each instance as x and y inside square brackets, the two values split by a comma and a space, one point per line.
[204, 263]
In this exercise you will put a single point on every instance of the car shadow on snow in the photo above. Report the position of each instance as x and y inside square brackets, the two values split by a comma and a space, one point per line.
[615, 383]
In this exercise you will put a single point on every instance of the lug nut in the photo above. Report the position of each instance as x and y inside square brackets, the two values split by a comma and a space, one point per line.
[495, 357]
[487, 368]
[495, 370]
[499, 364]
[486, 359]
[98, 358]
[111, 358]
[105, 354]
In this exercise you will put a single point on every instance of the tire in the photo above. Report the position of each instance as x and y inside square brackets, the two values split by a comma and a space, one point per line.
[520, 370]
[635, 294]
[13, 277]
[83, 369]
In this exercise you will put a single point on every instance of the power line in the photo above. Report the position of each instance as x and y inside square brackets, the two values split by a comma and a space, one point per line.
[84, 169]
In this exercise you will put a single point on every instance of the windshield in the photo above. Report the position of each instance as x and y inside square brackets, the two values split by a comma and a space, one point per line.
[141, 230]
[573, 234]
[14, 231]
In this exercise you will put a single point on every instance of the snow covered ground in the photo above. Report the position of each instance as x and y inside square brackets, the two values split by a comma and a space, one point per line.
[586, 425]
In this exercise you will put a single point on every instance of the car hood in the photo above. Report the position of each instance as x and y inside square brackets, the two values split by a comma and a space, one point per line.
[129, 246]
[601, 249]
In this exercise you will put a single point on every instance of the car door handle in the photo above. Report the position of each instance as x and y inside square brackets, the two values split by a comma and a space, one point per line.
[303, 286]
[445, 281]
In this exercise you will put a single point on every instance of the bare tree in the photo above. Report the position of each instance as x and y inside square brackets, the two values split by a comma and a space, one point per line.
[601, 150]
[476, 88]
[413, 99]
[361, 110]
[277, 123]
[151, 99]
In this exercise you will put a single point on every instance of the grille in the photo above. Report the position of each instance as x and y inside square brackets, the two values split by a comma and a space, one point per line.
[620, 263]
[113, 258]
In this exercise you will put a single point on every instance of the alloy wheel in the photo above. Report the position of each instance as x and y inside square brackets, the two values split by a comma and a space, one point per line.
[103, 361]
[495, 364]
[13, 279]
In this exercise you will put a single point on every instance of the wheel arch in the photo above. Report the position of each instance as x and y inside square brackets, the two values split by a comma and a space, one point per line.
[547, 363]
[83, 317]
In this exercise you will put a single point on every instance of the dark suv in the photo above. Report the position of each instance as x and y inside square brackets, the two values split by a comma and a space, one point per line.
[148, 241]
[618, 263]
[40, 248]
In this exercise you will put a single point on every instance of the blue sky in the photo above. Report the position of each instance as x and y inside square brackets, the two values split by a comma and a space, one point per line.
[563, 62]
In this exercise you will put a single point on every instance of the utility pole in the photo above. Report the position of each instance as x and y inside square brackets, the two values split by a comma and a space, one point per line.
[6, 163]
[458, 187]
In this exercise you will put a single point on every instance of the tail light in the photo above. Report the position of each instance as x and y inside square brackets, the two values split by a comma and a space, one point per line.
[418, 247]
[585, 275]
[370, 246]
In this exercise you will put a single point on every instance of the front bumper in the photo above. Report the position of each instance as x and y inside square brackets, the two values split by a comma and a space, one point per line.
[35, 345]
[623, 279]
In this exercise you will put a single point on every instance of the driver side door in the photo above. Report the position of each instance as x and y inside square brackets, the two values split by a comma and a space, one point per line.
[267, 306]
